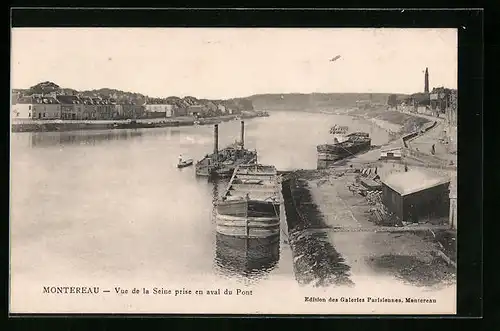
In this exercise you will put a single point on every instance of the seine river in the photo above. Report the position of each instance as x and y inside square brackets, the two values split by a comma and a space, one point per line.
[112, 204]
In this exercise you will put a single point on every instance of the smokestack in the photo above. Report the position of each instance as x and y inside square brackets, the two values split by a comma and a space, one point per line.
[216, 139]
[426, 83]
[242, 133]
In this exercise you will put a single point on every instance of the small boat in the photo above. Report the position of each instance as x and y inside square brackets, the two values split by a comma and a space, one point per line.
[185, 163]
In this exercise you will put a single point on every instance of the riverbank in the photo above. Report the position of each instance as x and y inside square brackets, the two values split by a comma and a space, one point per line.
[335, 239]
[396, 123]
[335, 236]
[74, 125]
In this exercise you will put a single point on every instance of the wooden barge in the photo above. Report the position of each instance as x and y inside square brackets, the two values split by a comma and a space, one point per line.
[250, 206]
[221, 163]
[343, 147]
[247, 256]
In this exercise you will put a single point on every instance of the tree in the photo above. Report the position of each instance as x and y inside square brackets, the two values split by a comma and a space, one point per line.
[44, 88]
[392, 100]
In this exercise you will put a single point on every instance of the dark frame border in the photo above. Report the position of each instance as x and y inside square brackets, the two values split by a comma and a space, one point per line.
[470, 31]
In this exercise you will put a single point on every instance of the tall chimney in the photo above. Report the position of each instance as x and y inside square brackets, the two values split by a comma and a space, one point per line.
[216, 139]
[242, 133]
[426, 83]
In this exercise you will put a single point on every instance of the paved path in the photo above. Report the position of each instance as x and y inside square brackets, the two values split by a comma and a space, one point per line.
[424, 142]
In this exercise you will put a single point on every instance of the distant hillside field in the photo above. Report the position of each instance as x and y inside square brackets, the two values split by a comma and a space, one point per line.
[315, 101]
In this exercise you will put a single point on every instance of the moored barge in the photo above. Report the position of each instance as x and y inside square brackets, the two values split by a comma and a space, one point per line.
[221, 163]
[250, 206]
[344, 146]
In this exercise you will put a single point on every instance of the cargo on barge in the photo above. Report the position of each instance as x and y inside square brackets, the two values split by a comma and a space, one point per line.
[344, 146]
[250, 206]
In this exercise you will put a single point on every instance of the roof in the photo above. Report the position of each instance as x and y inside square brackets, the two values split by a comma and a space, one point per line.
[413, 181]
[68, 99]
[37, 100]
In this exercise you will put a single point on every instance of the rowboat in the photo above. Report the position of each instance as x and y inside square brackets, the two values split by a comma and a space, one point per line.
[185, 163]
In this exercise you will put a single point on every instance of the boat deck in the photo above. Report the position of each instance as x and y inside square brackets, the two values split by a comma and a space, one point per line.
[250, 206]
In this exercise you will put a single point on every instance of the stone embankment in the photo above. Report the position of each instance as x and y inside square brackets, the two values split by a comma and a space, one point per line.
[73, 125]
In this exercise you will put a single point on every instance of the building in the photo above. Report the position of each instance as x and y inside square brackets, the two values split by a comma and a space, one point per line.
[416, 195]
[158, 108]
[195, 110]
[390, 153]
[72, 107]
[40, 107]
[90, 109]
[130, 110]
[105, 108]
[15, 97]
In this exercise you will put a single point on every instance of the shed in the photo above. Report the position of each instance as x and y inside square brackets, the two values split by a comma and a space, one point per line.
[416, 195]
[390, 153]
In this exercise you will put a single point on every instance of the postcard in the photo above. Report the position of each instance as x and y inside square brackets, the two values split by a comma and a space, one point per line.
[233, 171]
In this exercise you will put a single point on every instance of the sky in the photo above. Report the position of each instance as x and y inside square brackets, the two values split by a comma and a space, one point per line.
[221, 63]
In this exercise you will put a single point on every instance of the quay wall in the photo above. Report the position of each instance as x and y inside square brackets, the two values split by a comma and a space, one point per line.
[74, 125]
[315, 260]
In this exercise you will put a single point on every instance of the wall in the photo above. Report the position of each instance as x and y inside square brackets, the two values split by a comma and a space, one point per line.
[155, 114]
[21, 111]
[393, 201]
[46, 111]
[427, 204]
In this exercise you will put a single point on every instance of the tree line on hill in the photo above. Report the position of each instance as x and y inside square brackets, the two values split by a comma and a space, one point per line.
[236, 104]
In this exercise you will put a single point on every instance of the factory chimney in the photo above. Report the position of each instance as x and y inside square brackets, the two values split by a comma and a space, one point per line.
[242, 134]
[216, 139]
[426, 83]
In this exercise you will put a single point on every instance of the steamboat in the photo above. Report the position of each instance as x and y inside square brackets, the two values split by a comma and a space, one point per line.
[250, 206]
[222, 163]
[344, 145]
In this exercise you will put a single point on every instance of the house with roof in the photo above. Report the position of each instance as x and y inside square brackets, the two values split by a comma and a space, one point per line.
[89, 109]
[42, 107]
[158, 108]
[105, 108]
[130, 110]
[416, 195]
[72, 107]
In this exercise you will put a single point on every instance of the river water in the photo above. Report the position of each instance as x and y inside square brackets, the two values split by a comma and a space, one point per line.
[111, 205]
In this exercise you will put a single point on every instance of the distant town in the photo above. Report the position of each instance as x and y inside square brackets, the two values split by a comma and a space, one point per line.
[47, 101]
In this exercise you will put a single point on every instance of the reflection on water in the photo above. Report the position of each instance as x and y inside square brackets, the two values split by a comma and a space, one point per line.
[252, 258]
[45, 139]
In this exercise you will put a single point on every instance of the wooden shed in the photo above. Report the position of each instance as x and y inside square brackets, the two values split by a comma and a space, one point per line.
[416, 195]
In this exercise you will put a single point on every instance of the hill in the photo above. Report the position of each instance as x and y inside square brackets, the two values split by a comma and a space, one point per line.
[237, 105]
[315, 101]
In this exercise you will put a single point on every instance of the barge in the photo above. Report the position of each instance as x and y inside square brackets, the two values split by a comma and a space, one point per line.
[344, 146]
[250, 206]
[222, 163]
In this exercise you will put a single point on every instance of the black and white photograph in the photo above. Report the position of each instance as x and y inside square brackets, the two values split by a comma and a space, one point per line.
[233, 170]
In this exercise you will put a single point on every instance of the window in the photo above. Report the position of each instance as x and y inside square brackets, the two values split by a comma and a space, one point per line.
[44, 114]
[29, 114]
[29, 107]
